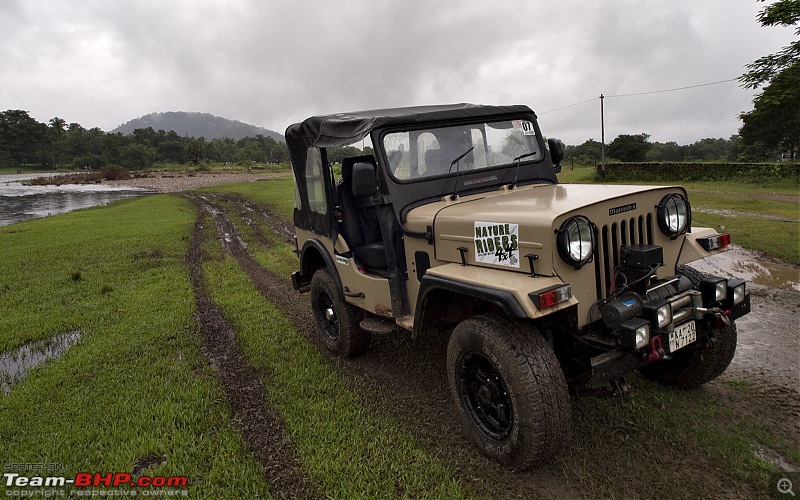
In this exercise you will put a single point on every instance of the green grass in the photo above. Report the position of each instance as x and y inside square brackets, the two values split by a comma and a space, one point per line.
[656, 434]
[136, 383]
[278, 194]
[349, 450]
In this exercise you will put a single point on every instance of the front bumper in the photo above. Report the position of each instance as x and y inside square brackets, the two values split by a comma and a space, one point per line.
[669, 318]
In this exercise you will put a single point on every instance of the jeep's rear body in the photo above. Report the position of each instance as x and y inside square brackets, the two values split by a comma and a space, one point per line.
[470, 218]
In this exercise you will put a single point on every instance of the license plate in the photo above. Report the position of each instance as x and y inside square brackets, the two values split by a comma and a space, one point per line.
[682, 336]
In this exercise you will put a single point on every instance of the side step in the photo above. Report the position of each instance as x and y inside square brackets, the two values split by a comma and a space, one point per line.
[378, 325]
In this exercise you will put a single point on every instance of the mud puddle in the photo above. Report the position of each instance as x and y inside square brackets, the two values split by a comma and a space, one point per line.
[768, 347]
[15, 366]
[751, 266]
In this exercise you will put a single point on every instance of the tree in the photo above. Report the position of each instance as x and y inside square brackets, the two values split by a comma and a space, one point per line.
[708, 150]
[336, 155]
[22, 138]
[195, 150]
[57, 137]
[774, 124]
[630, 147]
[587, 153]
[666, 151]
[279, 154]
[137, 156]
[764, 69]
[172, 151]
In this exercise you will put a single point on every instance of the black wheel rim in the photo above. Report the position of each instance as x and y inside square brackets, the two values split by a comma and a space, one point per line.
[327, 318]
[485, 397]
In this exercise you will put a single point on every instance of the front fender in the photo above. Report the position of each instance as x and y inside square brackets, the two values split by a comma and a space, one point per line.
[506, 290]
[691, 249]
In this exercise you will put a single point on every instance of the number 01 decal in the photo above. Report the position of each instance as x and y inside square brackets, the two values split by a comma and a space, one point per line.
[525, 125]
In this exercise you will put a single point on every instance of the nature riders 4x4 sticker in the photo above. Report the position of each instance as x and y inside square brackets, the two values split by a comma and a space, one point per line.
[497, 243]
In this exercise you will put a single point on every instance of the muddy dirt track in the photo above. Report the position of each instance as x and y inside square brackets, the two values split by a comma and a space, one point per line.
[406, 379]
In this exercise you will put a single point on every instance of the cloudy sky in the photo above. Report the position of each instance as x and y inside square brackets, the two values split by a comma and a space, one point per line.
[271, 63]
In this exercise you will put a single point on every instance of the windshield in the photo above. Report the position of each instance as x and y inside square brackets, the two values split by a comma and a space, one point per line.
[418, 154]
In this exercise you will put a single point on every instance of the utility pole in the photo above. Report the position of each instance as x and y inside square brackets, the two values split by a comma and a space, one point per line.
[602, 137]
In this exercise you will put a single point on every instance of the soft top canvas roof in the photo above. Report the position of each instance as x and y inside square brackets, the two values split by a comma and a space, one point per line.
[342, 129]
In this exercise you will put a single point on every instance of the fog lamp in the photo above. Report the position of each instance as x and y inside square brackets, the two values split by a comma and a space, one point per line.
[736, 290]
[714, 289]
[635, 333]
[659, 312]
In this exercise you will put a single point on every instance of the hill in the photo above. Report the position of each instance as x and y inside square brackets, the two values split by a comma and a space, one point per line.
[197, 125]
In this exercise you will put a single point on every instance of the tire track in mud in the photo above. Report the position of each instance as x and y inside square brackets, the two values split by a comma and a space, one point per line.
[398, 377]
[241, 383]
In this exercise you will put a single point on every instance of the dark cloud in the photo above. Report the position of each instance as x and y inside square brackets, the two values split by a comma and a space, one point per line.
[101, 63]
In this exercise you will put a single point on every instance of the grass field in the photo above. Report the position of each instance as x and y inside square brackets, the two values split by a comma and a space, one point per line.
[137, 387]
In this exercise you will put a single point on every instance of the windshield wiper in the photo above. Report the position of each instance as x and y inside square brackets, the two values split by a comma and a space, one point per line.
[518, 160]
[456, 163]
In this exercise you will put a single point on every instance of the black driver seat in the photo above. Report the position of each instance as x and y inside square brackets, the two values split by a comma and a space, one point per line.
[360, 225]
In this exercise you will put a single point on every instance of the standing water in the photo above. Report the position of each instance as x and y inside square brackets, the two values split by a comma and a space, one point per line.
[19, 202]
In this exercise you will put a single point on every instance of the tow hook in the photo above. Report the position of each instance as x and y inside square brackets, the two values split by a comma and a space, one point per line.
[720, 317]
[656, 350]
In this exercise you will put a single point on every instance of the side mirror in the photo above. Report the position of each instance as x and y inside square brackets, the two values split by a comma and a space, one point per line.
[364, 180]
[556, 153]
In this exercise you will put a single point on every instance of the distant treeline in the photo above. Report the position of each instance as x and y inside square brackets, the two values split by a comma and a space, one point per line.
[25, 141]
[56, 144]
[637, 148]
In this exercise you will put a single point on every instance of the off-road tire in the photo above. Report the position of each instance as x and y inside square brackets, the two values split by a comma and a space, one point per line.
[337, 321]
[693, 274]
[690, 368]
[520, 370]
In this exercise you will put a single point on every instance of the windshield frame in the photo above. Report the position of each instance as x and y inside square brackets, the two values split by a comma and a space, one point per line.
[459, 170]
[407, 194]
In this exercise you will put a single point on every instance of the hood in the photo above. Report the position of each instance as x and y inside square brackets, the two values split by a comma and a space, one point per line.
[502, 228]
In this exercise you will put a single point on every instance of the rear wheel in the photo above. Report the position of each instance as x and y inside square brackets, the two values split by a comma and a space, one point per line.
[509, 386]
[337, 320]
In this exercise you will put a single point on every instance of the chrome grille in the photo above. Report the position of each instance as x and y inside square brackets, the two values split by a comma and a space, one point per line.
[630, 231]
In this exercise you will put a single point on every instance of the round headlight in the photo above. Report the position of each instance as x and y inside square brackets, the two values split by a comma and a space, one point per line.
[674, 215]
[575, 241]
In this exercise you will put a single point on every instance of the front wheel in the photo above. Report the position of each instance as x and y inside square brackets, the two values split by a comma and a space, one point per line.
[691, 367]
[508, 384]
[337, 320]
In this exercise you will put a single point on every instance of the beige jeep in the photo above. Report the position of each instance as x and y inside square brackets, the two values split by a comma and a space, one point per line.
[457, 223]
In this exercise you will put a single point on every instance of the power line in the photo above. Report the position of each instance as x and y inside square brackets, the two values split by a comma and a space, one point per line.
[570, 106]
[640, 93]
[677, 88]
